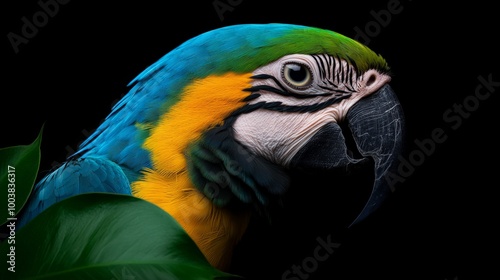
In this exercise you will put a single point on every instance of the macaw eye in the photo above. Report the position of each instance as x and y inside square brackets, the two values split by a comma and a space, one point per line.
[297, 75]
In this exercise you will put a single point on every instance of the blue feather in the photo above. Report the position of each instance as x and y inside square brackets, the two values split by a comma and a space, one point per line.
[84, 175]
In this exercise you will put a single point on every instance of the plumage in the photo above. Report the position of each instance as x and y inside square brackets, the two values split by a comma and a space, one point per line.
[176, 138]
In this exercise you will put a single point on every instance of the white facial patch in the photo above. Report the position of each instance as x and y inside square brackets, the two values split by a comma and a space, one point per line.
[304, 87]
[278, 136]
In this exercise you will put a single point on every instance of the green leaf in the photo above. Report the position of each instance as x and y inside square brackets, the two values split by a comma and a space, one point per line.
[105, 236]
[18, 171]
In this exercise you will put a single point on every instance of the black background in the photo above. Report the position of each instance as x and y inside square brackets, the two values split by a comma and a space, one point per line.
[439, 222]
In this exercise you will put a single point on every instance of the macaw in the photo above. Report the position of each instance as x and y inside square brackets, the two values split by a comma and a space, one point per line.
[210, 132]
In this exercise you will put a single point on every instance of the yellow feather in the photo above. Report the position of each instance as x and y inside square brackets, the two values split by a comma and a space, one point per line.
[203, 104]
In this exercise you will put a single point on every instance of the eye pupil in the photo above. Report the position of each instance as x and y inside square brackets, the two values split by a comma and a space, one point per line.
[297, 75]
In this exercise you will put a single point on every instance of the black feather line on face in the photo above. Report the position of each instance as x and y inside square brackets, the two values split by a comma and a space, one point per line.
[280, 107]
[321, 66]
[349, 91]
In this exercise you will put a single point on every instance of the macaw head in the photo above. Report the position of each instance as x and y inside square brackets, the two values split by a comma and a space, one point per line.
[238, 107]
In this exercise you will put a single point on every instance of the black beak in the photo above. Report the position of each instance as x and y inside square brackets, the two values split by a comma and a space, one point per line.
[376, 123]
[377, 126]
